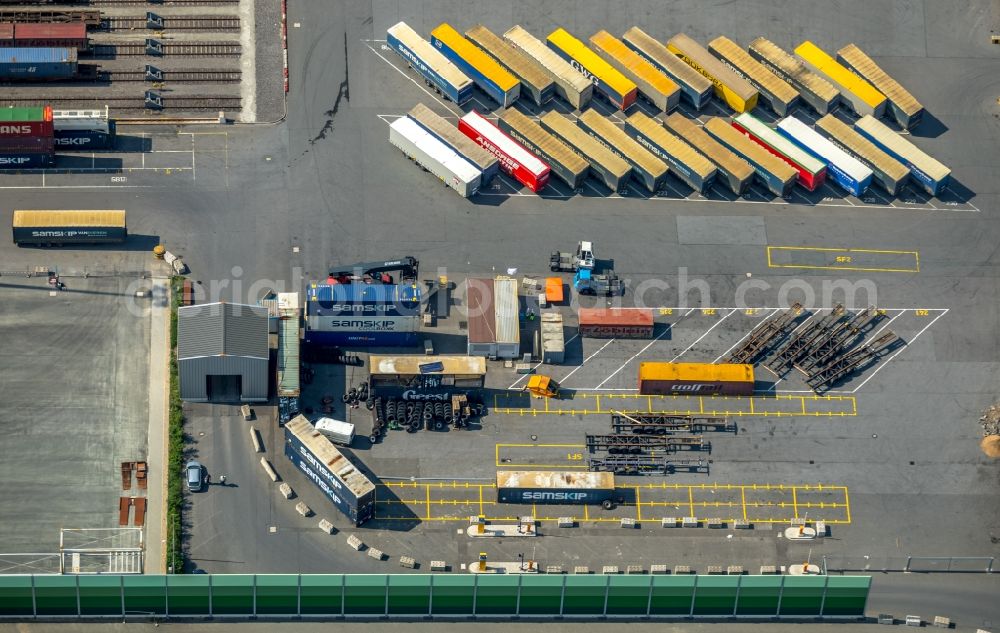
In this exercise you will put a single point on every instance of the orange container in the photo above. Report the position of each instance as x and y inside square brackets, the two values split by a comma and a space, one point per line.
[553, 289]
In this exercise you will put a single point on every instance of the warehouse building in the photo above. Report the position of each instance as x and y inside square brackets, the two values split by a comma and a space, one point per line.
[222, 352]
[494, 321]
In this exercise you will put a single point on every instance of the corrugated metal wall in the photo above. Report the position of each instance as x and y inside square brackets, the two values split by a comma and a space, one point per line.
[194, 374]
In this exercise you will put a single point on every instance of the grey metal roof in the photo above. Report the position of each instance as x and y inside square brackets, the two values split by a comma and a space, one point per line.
[222, 329]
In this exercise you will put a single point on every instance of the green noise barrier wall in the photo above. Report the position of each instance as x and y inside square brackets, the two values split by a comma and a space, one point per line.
[455, 595]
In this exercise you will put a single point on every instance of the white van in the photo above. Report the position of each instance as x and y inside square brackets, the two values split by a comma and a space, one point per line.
[336, 431]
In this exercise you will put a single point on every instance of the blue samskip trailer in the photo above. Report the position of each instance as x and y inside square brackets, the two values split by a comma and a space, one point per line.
[435, 68]
[346, 486]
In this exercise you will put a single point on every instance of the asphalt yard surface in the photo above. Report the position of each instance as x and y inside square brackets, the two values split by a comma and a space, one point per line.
[887, 457]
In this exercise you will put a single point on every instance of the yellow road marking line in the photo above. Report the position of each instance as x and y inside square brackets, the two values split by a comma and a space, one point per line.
[743, 501]
[914, 269]
[795, 503]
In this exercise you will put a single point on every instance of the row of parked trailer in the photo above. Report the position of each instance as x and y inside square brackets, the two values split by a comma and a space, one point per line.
[645, 150]
[620, 70]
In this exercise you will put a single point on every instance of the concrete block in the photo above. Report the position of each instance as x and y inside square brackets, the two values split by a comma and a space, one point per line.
[886, 618]
[633, 570]
[439, 565]
[286, 491]
[942, 622]
[820, 529]
[375, 553]
[326, 526]
[566, 522]
[580, 569]
[269, 469]
[689, 522]
[714, 569]
[659, 569]
[735, 570]
[768, 570]
[475, 520]
[668, 522]
[914, 620]
[715, 523]
[627, 522]
[408, 562]
[355, 542]
[255, 438]
[741, 524]
[553, 569]
[798, 522]
[609, 569]
[303, 509]
[682, 569]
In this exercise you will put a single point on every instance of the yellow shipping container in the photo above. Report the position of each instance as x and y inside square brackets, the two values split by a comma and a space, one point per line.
[860, 94]
[695, 379]
[653, 83]
[617, 87]
[730, 87]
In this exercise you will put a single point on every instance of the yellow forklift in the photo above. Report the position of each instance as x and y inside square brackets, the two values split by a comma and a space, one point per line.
[542, 386]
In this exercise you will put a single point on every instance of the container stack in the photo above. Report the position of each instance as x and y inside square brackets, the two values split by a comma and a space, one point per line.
[26, 137]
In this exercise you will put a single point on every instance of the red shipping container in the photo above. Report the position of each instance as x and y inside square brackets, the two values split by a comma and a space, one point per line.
[807, 179]
[27, 145]
[26, 122]
[514, 158]
[616, 323]
[6, 34]
[62, 35]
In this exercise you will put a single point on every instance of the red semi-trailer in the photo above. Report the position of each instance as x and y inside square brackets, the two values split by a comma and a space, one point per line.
[514, 158]
[616, 323]
[812, 171]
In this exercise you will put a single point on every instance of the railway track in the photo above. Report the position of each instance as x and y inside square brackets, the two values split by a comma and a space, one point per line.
[189, 3]
[117, 104]
[178, 76]
[215, 24]
[191, 49]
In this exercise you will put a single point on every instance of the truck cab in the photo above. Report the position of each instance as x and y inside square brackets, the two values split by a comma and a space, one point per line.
[585, 255]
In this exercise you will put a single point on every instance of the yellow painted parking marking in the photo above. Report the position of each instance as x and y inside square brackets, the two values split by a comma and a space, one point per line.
[756, 503]
[854, 259]
[529, 447]
[582, 403]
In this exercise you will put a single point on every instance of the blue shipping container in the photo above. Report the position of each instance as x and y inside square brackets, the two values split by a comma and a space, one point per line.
[774, 184]
[456, 94]
[71, 140]
[839, 176]
[362, 299]
[37, 63]
[357, 510]
[485, 84]
[24, 161]
[361, 339]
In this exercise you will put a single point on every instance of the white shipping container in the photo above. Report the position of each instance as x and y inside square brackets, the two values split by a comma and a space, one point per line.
[336, 431]
[434, 156]
[823, 148]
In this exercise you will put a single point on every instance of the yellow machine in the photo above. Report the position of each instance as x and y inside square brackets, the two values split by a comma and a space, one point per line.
[543, 386]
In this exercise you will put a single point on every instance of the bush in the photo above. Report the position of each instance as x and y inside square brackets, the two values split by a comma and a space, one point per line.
[175, 445]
